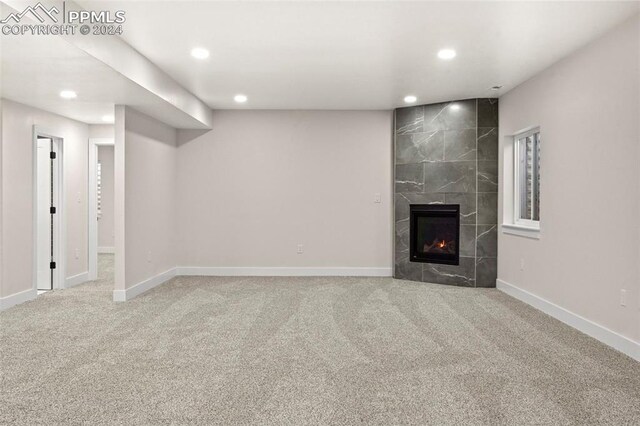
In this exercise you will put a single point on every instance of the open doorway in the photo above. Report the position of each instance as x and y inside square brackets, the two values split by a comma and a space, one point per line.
[48, 212]
[101, 199]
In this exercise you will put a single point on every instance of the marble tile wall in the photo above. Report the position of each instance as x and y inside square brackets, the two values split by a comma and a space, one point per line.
[448, 153]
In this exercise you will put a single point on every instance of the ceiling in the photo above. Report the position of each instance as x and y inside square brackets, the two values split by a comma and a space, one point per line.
[357, 55]
[34, 69]
[302, 55]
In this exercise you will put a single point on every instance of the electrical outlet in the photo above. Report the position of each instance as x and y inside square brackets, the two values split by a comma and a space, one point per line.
[377, 198]
[300, 249]
[77, 253]
[623, 297]
[521, 264]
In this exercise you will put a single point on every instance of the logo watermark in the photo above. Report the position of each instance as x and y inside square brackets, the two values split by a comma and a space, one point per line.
[52, 21]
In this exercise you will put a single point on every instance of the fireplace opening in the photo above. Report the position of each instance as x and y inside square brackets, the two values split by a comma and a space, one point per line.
[435, 233]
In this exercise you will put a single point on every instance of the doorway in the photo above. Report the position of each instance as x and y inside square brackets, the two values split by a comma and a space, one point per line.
[101, 209]
[48, 206]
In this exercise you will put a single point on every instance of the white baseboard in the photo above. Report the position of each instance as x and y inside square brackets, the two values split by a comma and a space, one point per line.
[588, 327]
[17, 298]
[146, 285]
[250, 271]
[141, 287]
[106, 250]
[76, 279]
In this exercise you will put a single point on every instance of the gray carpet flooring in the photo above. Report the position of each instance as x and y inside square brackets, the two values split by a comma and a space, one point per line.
[303, 351]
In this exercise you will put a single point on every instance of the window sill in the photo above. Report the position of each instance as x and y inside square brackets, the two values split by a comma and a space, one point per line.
[521, 231]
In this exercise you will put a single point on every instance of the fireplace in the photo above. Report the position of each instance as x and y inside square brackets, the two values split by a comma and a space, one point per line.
[435, 233]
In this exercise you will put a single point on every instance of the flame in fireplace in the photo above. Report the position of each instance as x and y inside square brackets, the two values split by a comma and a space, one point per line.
[442, 244]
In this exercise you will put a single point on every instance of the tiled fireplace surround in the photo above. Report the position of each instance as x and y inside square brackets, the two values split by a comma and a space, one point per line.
[448, 153]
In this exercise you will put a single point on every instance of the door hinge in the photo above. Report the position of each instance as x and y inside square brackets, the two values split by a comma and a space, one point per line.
[52, 210]
[52, 265]
[52, 155]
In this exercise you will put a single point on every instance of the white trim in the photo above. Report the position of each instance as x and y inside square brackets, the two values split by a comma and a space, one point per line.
[17, 298]
[250, 271]
[102, 141]
[106, 250]
[588, 327]
[76, 280]
[141, 287]
[522, 231]
[527, 223]
[92, 204]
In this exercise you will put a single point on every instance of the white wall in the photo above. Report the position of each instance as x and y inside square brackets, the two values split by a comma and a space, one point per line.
[103, 131]
[262, 182]
[17, 192]
[106, 231]
[148, 182]
[588, 110]
[1, 200]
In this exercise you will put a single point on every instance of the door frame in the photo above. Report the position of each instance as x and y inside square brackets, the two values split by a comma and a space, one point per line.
[94, 143]
[59, 229]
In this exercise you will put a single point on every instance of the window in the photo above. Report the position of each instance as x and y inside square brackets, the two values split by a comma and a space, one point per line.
[526, 183]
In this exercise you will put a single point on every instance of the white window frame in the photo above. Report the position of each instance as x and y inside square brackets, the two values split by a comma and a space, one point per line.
[522, 227]
[523, 223]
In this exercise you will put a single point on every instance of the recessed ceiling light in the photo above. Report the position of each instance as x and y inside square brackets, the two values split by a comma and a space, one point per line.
[446, 54]
[410, 99]
[68, 94]
[454, 107]
[199, 53]
[107, 118]
[240, 99]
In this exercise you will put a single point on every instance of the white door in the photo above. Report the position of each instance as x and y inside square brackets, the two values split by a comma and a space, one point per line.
[44, 217]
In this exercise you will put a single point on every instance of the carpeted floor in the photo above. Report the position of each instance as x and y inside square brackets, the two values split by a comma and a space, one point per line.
[303, 351]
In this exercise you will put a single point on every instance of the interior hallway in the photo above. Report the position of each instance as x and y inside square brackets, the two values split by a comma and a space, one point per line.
[325, 350]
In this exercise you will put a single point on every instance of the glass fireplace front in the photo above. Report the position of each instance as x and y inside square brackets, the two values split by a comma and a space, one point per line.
[435, 233]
